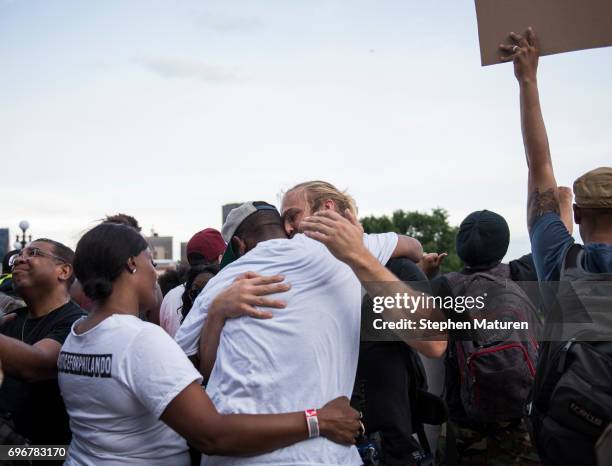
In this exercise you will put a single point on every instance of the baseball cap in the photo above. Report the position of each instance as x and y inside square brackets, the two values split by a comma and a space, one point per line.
[233, 222]
[208, 243]
[593, 190]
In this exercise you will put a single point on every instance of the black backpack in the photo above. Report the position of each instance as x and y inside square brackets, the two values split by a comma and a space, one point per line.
[490, 372]
[572, 397]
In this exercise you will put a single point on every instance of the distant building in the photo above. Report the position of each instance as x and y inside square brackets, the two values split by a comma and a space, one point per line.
[184, 252]
[225, 210]
[161, 246]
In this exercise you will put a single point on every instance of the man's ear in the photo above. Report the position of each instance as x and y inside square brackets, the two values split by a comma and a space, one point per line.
[289, 227]
[329, 204]
[577, 214]
[240, 246]
[66, 272]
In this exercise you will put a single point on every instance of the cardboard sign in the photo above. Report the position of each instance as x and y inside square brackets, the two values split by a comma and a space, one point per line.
[560, 25]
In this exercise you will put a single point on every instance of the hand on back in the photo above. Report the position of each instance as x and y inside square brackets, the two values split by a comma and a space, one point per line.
[247, 294]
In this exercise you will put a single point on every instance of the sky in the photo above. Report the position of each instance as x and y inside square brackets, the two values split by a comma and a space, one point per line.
[166, 110]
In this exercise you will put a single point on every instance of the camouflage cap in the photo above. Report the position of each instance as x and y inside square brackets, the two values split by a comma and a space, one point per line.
[593, 190]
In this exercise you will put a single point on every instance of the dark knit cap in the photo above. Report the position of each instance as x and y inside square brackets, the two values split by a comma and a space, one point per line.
[483, 238]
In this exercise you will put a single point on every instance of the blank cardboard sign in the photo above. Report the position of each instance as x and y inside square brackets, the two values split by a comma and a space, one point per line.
[561, 25]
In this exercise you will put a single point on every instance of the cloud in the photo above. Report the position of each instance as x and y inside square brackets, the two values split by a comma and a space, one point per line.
[187, 69]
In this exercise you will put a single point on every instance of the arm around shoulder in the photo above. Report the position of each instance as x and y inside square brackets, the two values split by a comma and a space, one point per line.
[193, 415]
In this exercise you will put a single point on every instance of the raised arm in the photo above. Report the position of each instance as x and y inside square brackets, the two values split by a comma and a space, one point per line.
[343, 236]
[542, 187]
[237, 300]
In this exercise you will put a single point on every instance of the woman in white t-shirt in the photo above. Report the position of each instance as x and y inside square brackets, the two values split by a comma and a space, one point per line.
[133, 396]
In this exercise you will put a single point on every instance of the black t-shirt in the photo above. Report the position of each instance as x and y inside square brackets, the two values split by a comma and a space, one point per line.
[37, 408]
[385, 372]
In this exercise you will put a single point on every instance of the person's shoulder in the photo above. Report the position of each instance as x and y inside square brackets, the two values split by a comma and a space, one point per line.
[381, 245]
[21, 312]
[10, 327]
[601, 248]
[547, 225]
[373, 235]
[523, 269]
[301, 241]
[152, 331]
[278, 250]
[131, 330]
[173, 298]
[380, 236]
[174, 292]
[307, 252]
[149, 337]
[69, 312]
[550, 242]
[598, 257]
[288, 245]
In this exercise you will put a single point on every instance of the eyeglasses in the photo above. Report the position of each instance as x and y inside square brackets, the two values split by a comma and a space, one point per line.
[33, 252]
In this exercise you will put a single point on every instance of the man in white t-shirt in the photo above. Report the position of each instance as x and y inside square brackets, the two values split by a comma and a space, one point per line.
[306, 353]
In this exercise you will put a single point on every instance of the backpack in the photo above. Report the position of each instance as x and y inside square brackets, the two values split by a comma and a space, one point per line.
[491, 372]
[572, 396]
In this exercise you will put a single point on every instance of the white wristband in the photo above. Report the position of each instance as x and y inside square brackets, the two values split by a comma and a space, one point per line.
[312, 421]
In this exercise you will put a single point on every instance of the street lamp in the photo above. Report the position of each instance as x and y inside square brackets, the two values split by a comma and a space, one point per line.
[23, 225]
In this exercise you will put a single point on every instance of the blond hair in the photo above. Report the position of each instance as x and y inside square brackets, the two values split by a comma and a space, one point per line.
[317, 192]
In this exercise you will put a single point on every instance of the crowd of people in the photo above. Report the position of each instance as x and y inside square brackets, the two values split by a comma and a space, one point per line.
[254, 352]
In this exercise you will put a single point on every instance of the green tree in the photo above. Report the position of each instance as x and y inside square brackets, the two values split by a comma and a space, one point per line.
[432, 230]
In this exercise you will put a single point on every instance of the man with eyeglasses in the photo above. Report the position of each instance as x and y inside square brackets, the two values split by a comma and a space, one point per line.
[30, 341]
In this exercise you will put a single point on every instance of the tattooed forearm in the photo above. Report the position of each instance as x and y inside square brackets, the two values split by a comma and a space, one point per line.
[540, 203]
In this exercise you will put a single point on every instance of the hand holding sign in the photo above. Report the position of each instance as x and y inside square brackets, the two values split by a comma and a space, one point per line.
[562, 25]
[524, 52]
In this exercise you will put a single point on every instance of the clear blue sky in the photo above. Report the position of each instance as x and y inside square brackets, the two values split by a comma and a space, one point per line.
[168, 109]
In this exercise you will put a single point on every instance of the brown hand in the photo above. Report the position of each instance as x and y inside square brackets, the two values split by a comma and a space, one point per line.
[339, 422]
[431, 262]
[246, 292]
